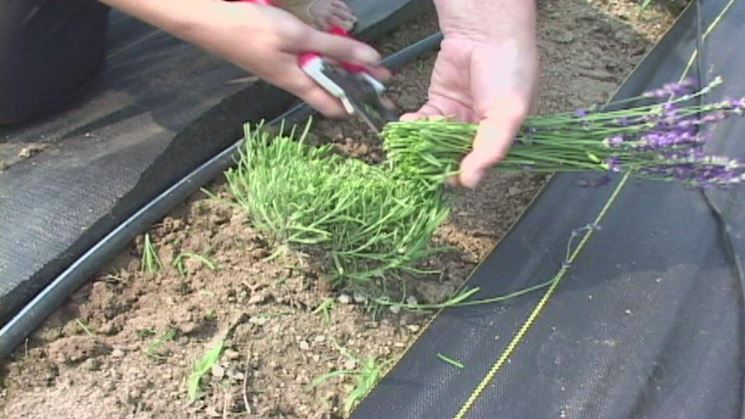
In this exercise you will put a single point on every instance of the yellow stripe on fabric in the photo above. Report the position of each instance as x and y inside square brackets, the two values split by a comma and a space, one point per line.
[517, 339]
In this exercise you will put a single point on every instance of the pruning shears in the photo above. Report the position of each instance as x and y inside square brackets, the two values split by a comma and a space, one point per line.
[359, 92]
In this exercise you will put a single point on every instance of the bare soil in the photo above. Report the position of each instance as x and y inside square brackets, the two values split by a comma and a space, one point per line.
[125, 344]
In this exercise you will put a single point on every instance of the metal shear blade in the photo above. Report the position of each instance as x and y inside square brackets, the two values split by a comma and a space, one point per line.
[365, 95]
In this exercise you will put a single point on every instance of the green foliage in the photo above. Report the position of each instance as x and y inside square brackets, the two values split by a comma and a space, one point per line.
[451, 361]
[84, 327]
[155, 346]
[202, 367]
[150, 262]
[363, 225]
[325, 309]
[366, 377]
[180, 264]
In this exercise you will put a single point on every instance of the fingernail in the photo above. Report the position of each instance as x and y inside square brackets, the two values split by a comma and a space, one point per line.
[370, 56]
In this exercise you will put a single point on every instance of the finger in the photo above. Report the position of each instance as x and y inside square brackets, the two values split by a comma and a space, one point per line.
[344, 15]
[411, 116]
[340, 5]
[493, 140]
[379, 72]
[340, 48]
[324, 103]
[310, 92]
[428, 111]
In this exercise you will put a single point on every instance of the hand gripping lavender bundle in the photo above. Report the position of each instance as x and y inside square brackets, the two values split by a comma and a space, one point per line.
[660, 138]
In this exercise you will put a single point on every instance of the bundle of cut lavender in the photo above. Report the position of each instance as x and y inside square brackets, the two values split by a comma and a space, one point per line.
[660, 139]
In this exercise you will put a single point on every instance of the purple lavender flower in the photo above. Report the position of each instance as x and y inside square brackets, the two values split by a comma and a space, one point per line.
[699, 170]
[683, 88]
[658, 140]
[614, 141]
[739, 106]
[655, 94]
[713, 117]
[671, 89]
[581, 113]
[613, 164]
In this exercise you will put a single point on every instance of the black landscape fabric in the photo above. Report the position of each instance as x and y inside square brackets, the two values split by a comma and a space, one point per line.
[647, 323]
[158, 110]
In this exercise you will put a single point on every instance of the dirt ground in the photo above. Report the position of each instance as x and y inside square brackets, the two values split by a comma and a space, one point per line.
[126, 343]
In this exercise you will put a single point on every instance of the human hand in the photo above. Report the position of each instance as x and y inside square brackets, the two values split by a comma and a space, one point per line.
[266, 41]
[483, 75]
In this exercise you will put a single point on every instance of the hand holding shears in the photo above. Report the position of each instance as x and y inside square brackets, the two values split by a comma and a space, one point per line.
[358, 90]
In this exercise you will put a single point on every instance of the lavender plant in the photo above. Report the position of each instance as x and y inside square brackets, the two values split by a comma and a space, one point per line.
[368, 224]
[659, 139]
[365, 226]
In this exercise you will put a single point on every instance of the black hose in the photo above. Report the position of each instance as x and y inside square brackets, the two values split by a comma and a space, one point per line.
[64, 285]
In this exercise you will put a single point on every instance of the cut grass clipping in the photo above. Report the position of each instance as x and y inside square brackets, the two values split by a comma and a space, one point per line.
[366, 375]
[363, 226]
[180, 262]
[202, 367]
[150, 262]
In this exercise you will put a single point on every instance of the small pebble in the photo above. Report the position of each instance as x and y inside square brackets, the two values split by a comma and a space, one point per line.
[27, 152]
[134, 394]
[345, 299]
[218, 372]
[319, 339]
[562, 37]
[92, 364]
[411, 300]
[256, 299]
[350, 364]
[212, 412]
[258, 320]
[304, 346]
[232, 354]
[628, 312]
[360, 299]
[395, 309]
[117, 353]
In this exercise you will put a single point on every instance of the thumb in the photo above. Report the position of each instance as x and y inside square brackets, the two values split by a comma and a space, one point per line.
[493, 140]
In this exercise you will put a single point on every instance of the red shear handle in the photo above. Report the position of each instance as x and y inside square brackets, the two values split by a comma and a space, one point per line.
[308, 56]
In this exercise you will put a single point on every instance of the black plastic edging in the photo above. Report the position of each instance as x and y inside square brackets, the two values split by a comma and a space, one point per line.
[54, 295]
